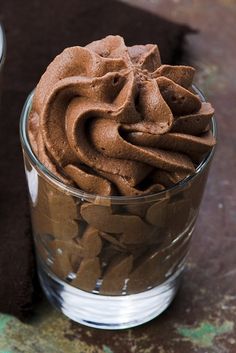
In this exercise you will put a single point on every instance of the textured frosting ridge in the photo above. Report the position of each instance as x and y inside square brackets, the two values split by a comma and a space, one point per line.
[112, 120]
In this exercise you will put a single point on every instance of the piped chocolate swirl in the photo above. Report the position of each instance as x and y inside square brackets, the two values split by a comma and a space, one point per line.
[112, 120]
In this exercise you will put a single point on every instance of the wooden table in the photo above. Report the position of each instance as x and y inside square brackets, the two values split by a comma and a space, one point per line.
[203, 316]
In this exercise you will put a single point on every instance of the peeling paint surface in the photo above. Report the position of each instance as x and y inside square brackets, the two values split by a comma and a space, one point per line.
[4, 320]
[204, 334]
[106, 349]
[46, 333]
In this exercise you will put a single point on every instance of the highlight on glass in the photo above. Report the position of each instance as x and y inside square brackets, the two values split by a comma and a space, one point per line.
[2, 53]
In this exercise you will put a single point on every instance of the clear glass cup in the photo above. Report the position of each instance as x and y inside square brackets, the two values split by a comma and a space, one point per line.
[110, 262]
[2, 55]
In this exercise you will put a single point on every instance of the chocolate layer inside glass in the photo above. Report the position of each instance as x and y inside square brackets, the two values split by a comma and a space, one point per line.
[111, 120]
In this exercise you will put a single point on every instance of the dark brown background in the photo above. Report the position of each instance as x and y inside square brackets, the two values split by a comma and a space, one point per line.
[203, 316]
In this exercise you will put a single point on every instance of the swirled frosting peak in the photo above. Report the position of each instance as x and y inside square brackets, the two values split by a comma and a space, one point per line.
[112, 120]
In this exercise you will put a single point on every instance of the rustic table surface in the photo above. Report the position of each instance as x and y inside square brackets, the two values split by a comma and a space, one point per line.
[202, 318]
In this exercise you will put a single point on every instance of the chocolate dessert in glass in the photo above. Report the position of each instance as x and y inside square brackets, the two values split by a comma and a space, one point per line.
[117, 148]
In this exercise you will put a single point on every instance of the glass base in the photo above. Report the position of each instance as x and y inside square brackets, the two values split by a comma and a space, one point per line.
[109, 312]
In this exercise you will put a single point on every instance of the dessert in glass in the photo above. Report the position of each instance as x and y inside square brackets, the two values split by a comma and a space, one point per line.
[117, 148]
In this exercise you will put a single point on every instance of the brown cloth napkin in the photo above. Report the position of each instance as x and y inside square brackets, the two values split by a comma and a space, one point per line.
[37, 31]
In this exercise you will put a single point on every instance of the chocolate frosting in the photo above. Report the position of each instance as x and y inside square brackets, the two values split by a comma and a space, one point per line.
[111, 120]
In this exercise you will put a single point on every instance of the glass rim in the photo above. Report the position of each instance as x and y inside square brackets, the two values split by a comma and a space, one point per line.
[2, 45]
[76, 192]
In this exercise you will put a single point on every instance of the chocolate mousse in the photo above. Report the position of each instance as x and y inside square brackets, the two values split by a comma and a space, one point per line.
[111, 120]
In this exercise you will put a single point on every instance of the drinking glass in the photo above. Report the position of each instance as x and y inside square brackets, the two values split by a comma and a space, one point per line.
[110, 262]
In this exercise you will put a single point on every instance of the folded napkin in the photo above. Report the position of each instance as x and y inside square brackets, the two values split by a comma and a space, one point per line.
[36, 32]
